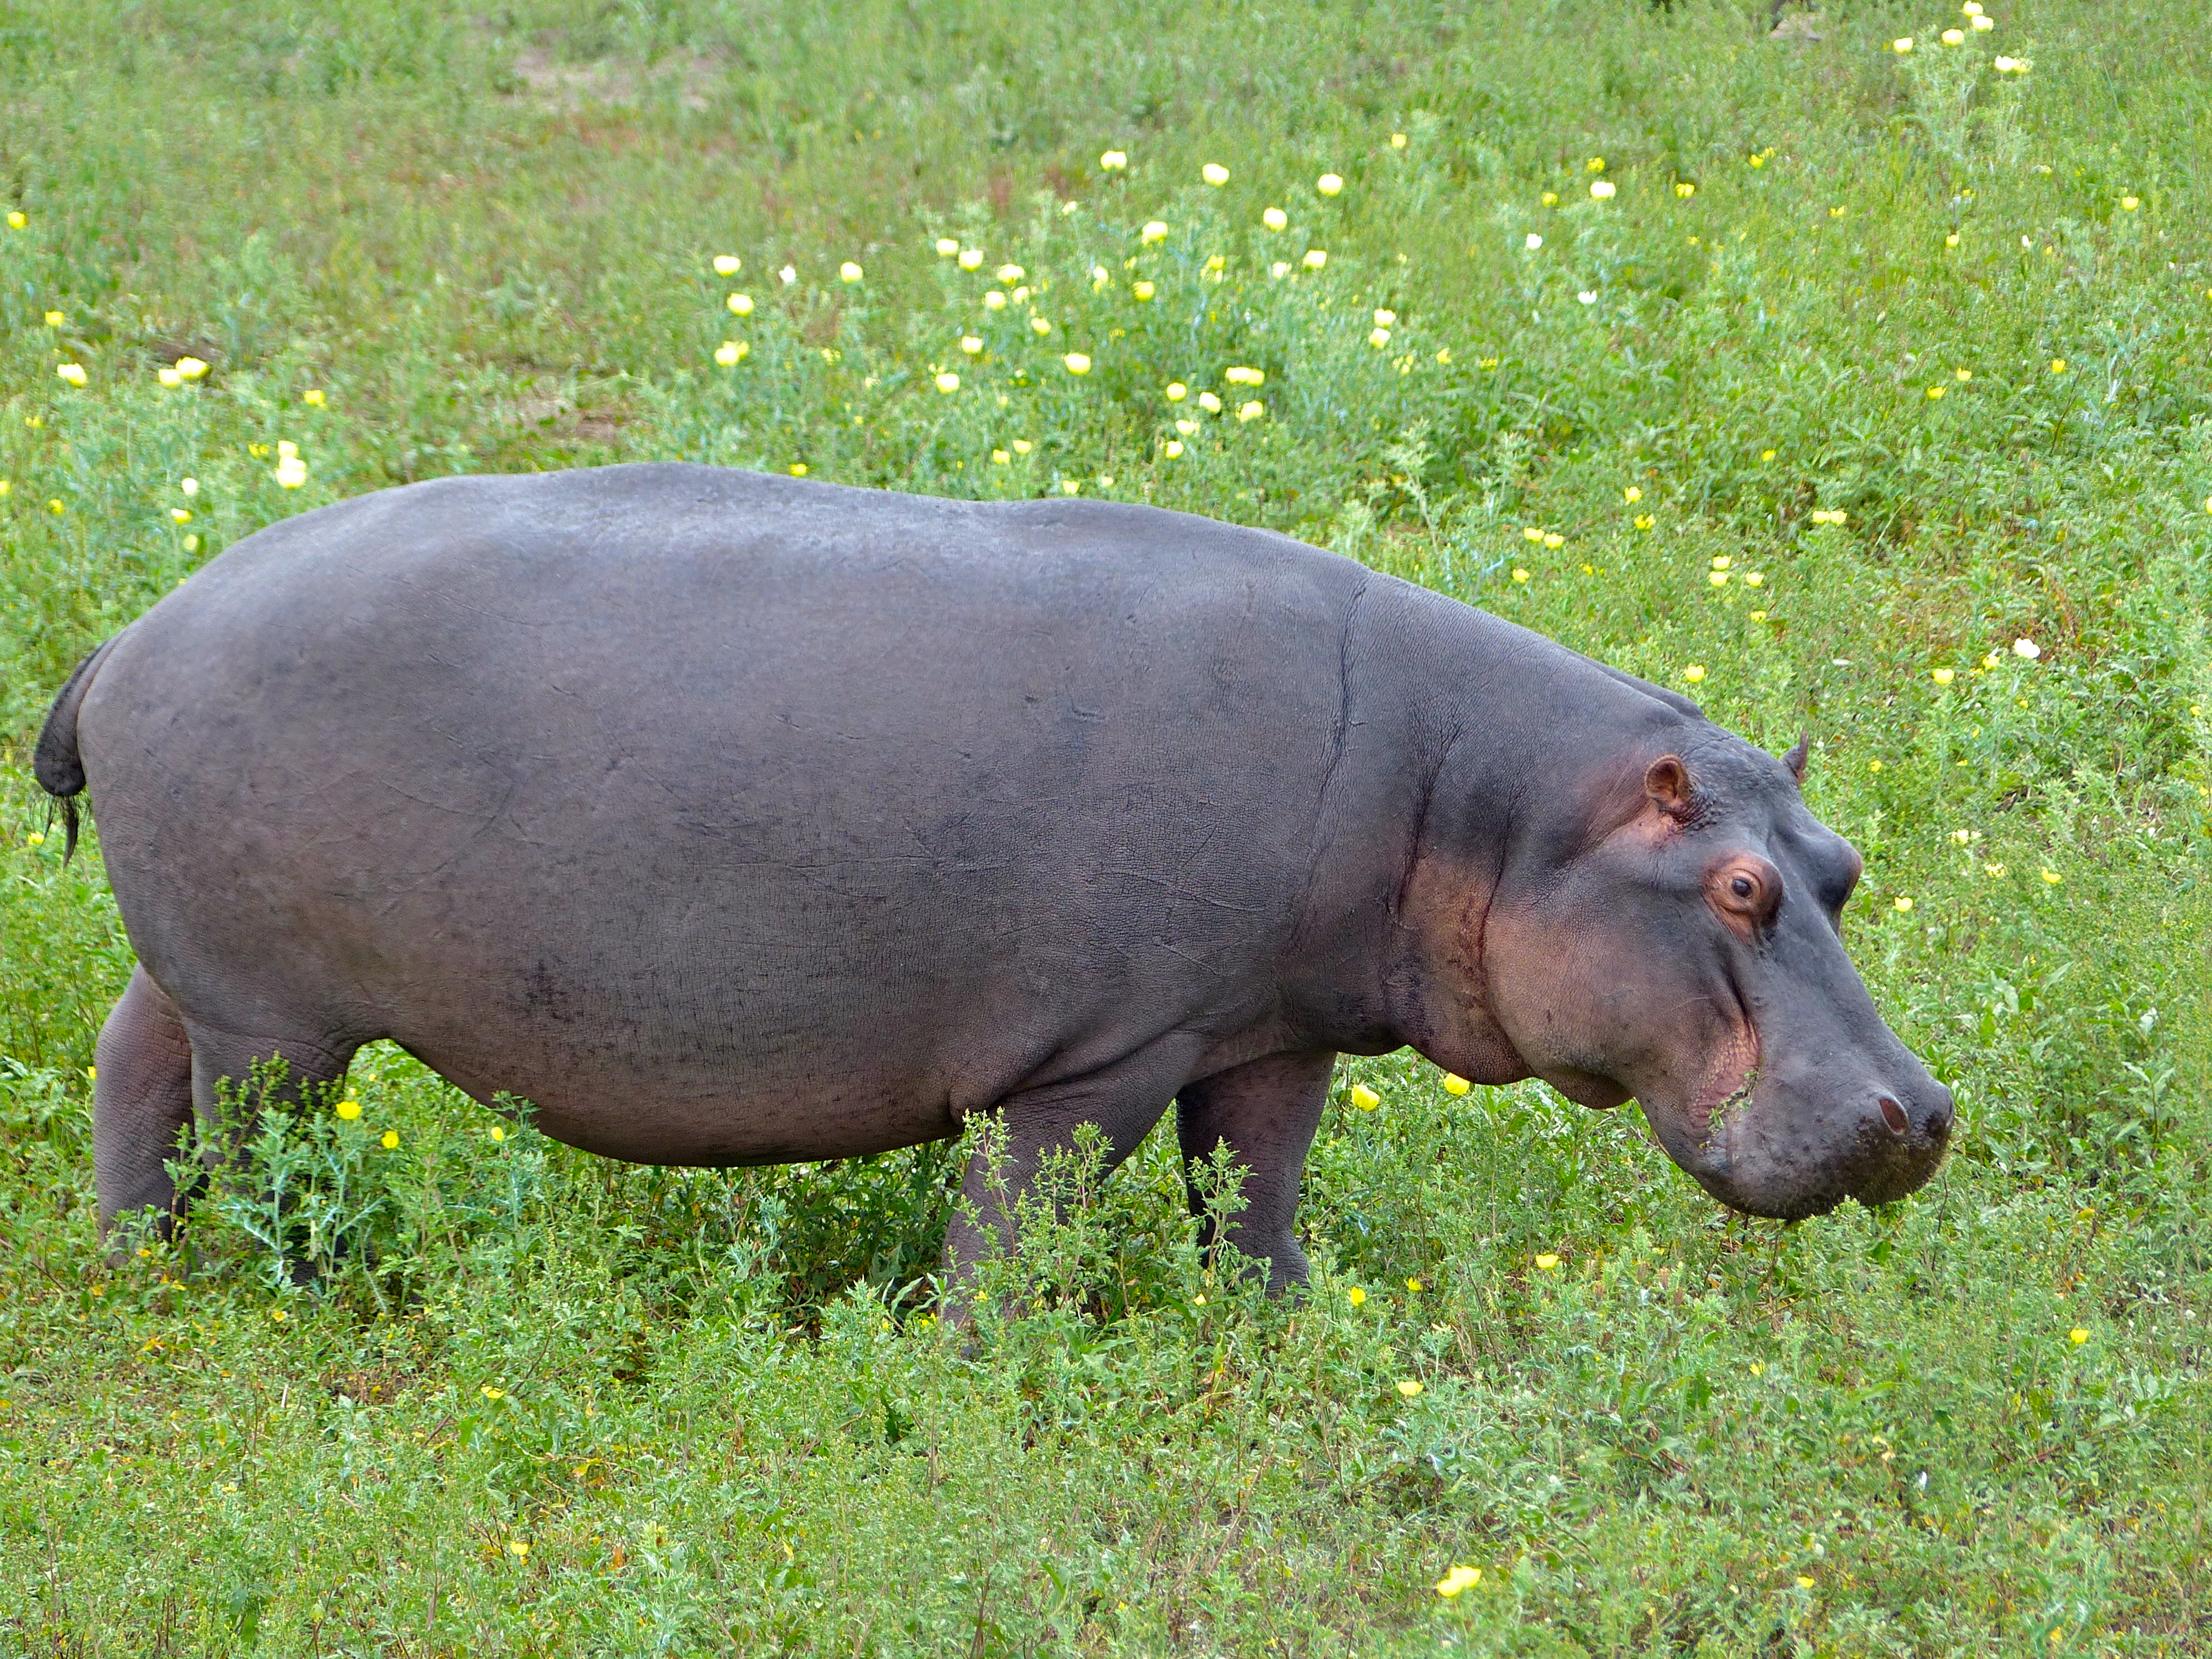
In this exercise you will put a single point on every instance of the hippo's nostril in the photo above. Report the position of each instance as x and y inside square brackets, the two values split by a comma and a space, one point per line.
[1893, 1114]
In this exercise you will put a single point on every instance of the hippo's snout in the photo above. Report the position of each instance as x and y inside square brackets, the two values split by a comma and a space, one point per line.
[1791, 1155]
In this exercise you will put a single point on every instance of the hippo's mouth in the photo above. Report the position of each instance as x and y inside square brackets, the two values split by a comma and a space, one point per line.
[1724, 1091]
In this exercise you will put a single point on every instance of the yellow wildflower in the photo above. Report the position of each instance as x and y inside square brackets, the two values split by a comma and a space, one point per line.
[1011, 274]
[1458, 1579]
[1694, 673]
[1156, 231]
[389, 1139]
[498, 1133]
[1601, 190]
[848, 272]
[2053, 877]
[1546, 1262]
[1686, 189]
[970, 258]
[2057, 365]
[54, 319]
[1409, 1388]
[1355, 1297]
[1365, 1098]
[2078, 1335]
[1039, 325]
[1214, 173]
[1209, 403]
[742, 304]
[1554, 540]
[17, 222]
[1114, 160]
[1455, 1085]
[1520, 575]
[1177, 391]
[1251, 411]
[519, 1549]
[349, 1110]
[998, 457]
[1644, 522]
[73, 373]
[1142, 290]
[1904, 903]
[1275, 219]
[730, 353]
[192, 368]
[947, 248]
[1173, 448]
[2131, 203]
[1632, 494]
[970, 344]
[1315, 259]
[1023, 446]
[1328, 183]
[1078, 363]
[1954, 37]
[947, 382]
[1397, 141]
[1379, 338]
[1239, 375]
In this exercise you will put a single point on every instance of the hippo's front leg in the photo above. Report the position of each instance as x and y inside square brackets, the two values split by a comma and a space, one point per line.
[1266, 1110]
[1124, 1099]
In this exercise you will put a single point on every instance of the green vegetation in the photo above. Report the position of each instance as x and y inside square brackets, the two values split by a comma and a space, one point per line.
[1873, 364]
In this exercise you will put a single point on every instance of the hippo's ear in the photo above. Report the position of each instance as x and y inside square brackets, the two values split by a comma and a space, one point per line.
[1795, 760]
[1666, 783]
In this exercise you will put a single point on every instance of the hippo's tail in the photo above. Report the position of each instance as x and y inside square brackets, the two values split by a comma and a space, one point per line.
[57, 765]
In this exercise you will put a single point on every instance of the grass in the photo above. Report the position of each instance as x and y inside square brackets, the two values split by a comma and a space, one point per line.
[549, 1404]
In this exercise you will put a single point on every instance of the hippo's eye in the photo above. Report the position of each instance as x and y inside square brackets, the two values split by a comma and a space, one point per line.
[1745, 893]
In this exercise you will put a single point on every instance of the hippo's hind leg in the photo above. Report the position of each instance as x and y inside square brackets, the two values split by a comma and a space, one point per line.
[1267, 1111]
[226, 1090]
[156, 1066]
[142, 1098]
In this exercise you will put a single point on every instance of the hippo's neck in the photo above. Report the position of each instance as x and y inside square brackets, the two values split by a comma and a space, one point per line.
[1468, 746]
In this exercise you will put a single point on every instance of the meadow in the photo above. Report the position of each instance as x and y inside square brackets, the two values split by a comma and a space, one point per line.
[1855, 379]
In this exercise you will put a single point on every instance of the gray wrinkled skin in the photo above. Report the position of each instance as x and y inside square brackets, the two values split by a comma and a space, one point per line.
[733, 819]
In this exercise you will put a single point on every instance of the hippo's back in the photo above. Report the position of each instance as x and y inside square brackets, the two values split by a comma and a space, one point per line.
[725, 817]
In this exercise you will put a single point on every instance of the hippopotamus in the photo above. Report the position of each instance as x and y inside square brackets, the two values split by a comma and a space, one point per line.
[733, 819]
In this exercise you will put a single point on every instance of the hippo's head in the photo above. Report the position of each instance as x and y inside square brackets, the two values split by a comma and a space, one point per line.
[1669, 932]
